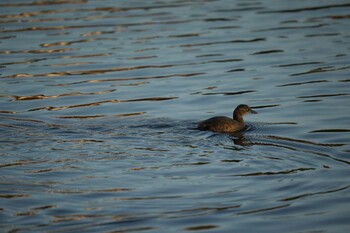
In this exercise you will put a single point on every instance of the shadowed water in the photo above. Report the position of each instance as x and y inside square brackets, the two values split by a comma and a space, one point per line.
[100, 101]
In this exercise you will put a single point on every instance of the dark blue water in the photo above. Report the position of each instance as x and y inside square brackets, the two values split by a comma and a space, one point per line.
[100, 101]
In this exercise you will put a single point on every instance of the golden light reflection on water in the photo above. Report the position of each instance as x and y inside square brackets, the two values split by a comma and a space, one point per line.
[41, 96]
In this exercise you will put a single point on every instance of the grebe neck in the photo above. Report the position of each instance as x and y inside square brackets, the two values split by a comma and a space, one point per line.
[238, 117]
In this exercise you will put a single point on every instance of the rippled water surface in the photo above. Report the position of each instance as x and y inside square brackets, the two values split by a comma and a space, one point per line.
[100, 101]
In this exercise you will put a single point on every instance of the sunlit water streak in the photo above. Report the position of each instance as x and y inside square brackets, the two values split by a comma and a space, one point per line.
[100, 101]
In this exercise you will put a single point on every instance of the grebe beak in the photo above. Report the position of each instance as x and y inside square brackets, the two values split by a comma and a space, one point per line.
[252, 111]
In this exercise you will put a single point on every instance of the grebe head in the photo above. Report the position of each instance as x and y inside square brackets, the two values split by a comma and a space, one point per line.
[242, 110]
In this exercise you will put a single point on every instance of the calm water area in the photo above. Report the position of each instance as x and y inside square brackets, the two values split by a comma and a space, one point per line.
[99, 102]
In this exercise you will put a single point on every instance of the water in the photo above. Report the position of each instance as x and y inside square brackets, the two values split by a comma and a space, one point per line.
[100, 99]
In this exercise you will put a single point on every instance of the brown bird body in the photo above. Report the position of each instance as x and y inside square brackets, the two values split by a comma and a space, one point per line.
[223, 124]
